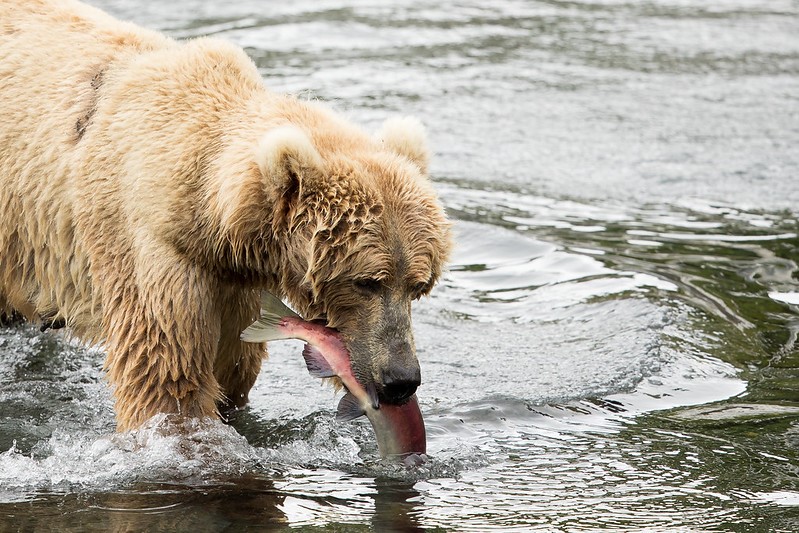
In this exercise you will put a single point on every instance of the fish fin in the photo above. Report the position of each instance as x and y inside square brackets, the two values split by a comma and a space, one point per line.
[349, 408]
[272, 305]
[317, 365]
[266, 328]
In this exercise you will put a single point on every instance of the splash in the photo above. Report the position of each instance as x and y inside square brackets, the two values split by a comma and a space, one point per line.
[189, 451]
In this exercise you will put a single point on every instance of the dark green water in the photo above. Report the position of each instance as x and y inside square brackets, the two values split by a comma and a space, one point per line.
[614, 346]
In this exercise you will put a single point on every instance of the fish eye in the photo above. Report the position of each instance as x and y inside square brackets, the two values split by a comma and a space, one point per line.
[368, 285]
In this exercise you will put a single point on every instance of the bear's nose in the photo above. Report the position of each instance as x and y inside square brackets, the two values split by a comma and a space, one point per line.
[399, 384]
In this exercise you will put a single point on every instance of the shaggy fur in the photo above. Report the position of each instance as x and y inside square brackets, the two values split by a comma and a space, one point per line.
[149, 189]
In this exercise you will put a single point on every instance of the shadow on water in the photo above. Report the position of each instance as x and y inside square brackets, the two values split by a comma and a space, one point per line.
[397, 507]
[157, 507]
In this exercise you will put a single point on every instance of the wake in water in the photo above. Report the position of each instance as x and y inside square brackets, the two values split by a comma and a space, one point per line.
[194, 453]
[194, 450]
[56, 412]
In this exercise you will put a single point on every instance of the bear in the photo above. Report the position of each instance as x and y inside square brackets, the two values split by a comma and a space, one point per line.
[150, 189]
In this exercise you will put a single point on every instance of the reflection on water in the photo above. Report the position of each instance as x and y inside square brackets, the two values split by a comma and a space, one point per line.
[614, 346]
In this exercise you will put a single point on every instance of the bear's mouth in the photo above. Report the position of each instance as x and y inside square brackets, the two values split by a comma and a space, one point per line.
[322, 320]
[395, 394]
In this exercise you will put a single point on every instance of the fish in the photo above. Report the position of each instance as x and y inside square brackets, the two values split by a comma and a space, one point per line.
[399, 429]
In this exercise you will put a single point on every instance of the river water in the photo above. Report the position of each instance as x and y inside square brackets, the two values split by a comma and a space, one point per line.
[614, 345]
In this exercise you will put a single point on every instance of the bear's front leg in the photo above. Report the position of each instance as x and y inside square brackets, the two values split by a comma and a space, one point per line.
[162, 332]
[237, 363]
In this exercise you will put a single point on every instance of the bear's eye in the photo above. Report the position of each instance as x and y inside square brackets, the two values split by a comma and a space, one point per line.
[419, 290]
[368, 285]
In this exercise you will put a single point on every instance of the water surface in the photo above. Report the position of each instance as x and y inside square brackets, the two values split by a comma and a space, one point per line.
[614, 345]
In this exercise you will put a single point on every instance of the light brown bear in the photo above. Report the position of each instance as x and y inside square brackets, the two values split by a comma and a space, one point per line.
[149, 189]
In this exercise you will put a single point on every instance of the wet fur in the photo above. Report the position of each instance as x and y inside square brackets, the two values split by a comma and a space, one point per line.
[149, 189]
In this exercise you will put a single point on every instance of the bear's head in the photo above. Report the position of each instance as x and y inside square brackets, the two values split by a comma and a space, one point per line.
[356, 233]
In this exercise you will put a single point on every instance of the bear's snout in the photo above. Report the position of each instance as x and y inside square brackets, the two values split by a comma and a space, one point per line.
[401, 376]
[398, 387]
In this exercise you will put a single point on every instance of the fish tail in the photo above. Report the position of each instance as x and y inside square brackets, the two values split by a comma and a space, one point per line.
[267, 327]
[272, 305]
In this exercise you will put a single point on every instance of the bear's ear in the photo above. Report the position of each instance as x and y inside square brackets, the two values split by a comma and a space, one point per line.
[287, 156]
[407, 137]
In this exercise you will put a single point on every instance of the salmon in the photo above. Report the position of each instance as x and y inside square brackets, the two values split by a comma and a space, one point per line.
[399, 429]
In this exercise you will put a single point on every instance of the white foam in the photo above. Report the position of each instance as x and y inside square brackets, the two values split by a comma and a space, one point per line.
[785, 297]
[783, 497]
[192, 450]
